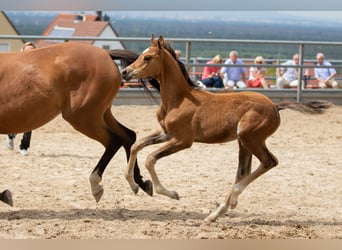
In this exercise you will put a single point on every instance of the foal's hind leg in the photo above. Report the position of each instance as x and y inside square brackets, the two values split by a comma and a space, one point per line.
[267, 161]
[244, 169]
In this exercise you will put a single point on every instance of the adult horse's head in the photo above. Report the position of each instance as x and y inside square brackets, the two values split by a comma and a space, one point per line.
[148, 63]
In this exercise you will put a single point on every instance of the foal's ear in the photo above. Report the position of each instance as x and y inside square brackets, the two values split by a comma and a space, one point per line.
[161, 41]
[152, 39]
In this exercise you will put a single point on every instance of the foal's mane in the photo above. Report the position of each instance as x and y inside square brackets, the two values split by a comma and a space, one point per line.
[180, 64]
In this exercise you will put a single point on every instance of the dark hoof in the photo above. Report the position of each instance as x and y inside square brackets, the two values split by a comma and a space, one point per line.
[98, 194]
[148, 187]
[6, 196]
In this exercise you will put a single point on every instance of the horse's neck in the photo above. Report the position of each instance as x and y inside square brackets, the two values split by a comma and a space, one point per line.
[173, 85]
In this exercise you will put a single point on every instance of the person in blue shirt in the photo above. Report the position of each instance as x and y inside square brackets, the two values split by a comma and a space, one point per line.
[234, 77]
[325, 76]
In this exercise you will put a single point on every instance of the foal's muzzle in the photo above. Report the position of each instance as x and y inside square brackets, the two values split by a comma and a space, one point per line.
[127, 74]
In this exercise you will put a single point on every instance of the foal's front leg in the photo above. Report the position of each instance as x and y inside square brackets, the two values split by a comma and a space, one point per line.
[156, 137]
[172, 146]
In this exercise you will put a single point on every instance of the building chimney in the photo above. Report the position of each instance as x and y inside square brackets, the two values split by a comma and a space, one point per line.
[105, 18]
[99, 15]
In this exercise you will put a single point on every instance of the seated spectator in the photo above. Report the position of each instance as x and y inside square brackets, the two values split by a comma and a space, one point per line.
[288, 77]
[234, 77]
[178, 53]
[325, 76]
[211, 76]
[257, 75]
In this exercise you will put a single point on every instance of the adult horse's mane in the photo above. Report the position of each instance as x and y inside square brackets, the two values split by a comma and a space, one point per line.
[181, 65]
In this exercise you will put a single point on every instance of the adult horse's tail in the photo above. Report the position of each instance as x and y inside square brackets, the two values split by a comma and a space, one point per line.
[313, 107]
[125, 56]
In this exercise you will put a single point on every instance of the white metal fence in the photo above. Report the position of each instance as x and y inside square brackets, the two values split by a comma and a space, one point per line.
[334, 94]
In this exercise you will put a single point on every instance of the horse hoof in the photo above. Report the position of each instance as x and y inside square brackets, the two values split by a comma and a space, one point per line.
[232, 206]
[209, 220]
[148, 187]
[135, 189]
[98, 194]
[6, 197]
[175, 195]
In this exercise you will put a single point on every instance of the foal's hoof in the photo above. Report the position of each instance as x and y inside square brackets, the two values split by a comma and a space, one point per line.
[174, 195]
[148, 187]
[6, 197]
[233, 205]
[98, 193]
[209, 219]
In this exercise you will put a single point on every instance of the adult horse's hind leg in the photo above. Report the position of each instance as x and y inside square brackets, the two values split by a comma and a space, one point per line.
[129, 138]
[6, 196]
[112, 135]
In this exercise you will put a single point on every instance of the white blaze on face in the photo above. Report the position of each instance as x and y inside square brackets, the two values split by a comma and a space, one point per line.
[146, 50]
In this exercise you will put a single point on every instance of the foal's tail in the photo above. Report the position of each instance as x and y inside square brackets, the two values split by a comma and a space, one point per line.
[313, 107]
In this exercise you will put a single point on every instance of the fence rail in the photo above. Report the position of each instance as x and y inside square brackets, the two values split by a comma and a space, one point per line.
[300, 92]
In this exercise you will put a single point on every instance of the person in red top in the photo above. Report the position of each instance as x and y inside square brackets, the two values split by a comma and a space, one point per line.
[211, 76]
[257, 75]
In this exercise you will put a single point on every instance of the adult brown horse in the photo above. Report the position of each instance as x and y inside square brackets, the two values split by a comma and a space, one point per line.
[188, 115]
[76, 80]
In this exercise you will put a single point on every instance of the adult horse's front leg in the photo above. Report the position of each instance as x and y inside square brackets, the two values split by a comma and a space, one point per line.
[6, 196]
[156, 137]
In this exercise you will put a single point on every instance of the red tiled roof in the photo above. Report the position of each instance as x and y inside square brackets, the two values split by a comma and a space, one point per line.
[89, 26]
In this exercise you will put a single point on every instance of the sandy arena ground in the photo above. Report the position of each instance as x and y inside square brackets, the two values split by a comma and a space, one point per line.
[299, 199]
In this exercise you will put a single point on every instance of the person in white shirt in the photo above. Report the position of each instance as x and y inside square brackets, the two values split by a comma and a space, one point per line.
[288, 76]
[325, 76]
[234, 77]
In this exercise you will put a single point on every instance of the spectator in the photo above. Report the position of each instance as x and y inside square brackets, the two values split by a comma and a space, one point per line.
[25, 142]
[288, 77]
[211, 76]
[325, 76]
[178, 53]
[257, 75]
[234, 77]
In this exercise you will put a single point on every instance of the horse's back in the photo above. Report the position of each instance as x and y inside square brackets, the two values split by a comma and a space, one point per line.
[53, 79]
[233, 101]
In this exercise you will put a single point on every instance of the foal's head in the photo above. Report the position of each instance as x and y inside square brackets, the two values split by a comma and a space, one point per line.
[149, 63]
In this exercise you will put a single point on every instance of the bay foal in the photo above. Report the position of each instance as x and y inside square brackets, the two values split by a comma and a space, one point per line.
[187, 115]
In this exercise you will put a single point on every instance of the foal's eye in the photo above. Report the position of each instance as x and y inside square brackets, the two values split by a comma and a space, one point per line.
[147, 58]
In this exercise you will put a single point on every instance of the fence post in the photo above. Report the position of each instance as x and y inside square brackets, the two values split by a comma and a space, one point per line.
[300, 72]
[187, 54]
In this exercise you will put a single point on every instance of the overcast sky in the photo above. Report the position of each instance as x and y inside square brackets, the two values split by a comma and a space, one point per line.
[143, 5]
